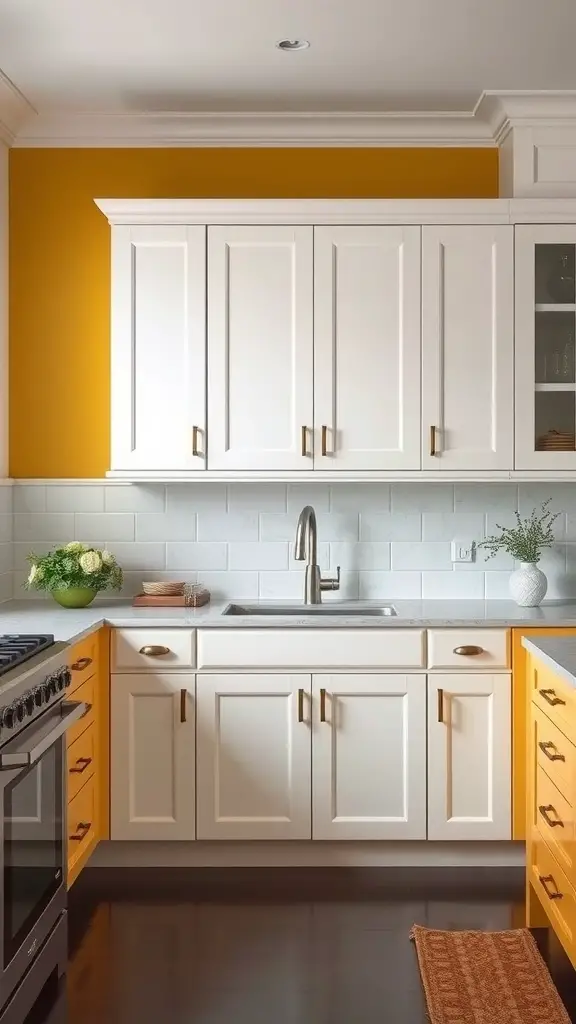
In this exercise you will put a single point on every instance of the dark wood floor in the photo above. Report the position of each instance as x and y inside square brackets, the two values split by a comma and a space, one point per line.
[328, 950]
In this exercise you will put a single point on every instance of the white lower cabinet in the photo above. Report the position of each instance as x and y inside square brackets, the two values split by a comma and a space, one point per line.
[254, 756]
[469, 746]
[153, 756]
[369, 757]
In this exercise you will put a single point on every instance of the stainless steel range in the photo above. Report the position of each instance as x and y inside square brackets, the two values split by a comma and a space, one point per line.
[34, 717]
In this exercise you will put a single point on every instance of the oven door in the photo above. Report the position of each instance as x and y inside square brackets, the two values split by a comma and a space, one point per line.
[32, 842]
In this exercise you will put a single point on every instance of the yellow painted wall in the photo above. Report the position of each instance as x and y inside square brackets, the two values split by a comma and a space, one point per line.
[60, 264]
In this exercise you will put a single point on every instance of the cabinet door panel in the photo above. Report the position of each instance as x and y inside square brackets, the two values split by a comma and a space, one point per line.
[254, 757]
[369, 757]
[260, 367]
[158, 347]
[367, 347]
[467, 346]
[469, 755]
[152, 757]
[545, 346]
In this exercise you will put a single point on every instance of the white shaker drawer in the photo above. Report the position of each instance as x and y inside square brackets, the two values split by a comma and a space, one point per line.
[155, 650]
[335, 649]
[473, 648]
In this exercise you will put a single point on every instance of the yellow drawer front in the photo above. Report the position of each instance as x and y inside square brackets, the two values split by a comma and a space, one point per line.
[82, 825]
[83, 660]
[554, 697]
[555, 893]
[554, 818]
[555, 754]
[81, 760]
[87, 692]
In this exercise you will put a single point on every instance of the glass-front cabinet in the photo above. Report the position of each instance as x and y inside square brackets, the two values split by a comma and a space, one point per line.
[545, 332]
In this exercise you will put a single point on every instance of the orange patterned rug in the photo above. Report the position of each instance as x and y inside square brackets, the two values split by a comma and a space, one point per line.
[486, 978]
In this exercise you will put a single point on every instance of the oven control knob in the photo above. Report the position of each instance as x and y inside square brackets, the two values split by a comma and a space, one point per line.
[29, 702]
[61, 680]
[8, 718]
[66, 675]
[38, 697]
[20, 711]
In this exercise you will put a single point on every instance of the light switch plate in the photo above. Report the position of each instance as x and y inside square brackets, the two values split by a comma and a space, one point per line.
[463, 550]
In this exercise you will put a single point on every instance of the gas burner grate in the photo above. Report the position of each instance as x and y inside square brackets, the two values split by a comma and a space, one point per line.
[16, 648]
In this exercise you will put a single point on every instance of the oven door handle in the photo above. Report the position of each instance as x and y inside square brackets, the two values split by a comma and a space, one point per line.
[24, 757]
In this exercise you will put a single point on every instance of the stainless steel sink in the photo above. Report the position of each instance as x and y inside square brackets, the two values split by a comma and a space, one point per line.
[303, 610]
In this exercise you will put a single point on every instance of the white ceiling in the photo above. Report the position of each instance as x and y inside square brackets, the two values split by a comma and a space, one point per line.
[208, 55]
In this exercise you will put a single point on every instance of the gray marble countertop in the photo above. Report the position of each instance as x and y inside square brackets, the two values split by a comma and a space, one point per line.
[558, 652]
[71, 625]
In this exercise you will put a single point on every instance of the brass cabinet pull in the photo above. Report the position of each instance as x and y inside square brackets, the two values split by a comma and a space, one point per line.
[300, 705]
[551, 700]
[322, 705]
[82, 830]
[154, 650]
[544, 879]
[183, 695]
[83, 762]
[469, 650]
[551, 821]
[195, 451]
[440, 697]
[433, 450]
[81, 664]
[546, 747]
[324, 440]
[304, 440]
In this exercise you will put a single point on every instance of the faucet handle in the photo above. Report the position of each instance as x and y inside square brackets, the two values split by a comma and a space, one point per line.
[331, 582]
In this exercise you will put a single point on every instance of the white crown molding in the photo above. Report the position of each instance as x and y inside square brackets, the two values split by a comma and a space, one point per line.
[487, 125]
[15, 110]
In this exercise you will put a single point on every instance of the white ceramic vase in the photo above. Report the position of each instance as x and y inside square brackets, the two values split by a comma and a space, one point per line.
[528, 585]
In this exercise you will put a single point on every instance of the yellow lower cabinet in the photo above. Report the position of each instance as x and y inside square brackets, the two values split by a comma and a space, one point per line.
[82, 760]
[82, 828]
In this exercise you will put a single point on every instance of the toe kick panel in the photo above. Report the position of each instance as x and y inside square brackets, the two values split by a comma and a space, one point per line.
[311, 648]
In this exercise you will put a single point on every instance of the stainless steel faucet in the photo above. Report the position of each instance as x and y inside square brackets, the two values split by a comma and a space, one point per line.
[306, 546]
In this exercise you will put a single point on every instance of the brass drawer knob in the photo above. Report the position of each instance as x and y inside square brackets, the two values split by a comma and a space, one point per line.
[553, 822]
[552, 895]
[469, 650]
[154, 650]
[550, 697]
[547, 747]
[81, 765]
[81, 664]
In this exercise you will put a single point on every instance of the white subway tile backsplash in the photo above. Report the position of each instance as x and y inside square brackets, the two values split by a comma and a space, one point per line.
[390, 586]
[361, 556]
[259, 497]
[360, 498]
[194, 556]
[392, 541]
[238, 585]
[453, 526]
[29, 497]
[467, 586]
[135, 498]
[88, 526]
[75, 498]
[488, 497]
[227, 526]
[434, 555]
[386, 526]
[165, 526]
[422, 497]
[258, 555]
[38, 526]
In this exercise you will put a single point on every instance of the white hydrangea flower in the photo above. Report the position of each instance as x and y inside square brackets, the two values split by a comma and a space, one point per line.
[75, 545]
[107, 557]
[90, 561]
[32, 574]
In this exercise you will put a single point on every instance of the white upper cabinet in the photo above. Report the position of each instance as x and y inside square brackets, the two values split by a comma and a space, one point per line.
[469, 756]
[260, 345]
[158, 348]
[366, 348]
[369, 757]
[545, 347]
[467, 347]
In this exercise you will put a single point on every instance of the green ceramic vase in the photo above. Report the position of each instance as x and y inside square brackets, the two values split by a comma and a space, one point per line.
[74, 597]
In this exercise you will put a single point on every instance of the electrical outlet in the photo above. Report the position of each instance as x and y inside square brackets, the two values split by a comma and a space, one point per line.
[463, 550]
